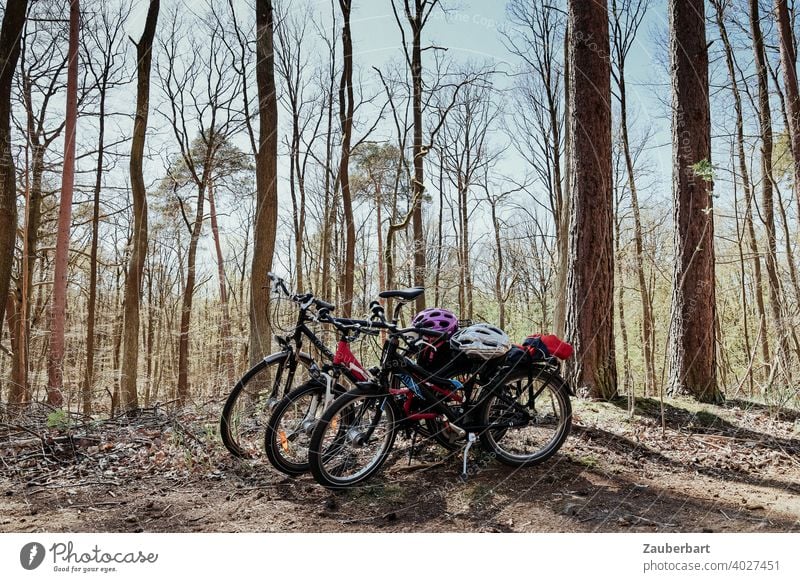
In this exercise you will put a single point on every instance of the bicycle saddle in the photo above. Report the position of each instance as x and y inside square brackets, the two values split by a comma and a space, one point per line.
[407, 294]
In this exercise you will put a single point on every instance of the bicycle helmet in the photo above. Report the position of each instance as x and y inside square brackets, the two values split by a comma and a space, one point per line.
[482, 341]
[436, 319]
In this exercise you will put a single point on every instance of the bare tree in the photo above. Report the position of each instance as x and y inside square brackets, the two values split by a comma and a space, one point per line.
[767, 182]
[10, 34]
[133, 279]
[744, 175]
[200, 88]
[266, 219]
[535, 34]
[58, 313]
[626, 18]
[417, 13]
[346, 106]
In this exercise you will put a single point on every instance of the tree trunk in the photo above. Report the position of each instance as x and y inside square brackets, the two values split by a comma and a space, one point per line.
[225, 328]
[10, 34]
[88, 379]
[692, 347]
[417, 22]
[183, 391]
[498, 276]
[767, 198]
[133, 280]
[346, 119]
[560, 312]
[58, 310]
[266, 220]
[590, 317]
[788, 66]
[648, 335]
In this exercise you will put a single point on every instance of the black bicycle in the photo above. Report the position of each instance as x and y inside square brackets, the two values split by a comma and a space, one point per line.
[522, 414]
[293, 419]
[247, 408]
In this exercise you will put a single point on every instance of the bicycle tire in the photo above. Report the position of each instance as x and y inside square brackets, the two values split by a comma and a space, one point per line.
[496, 409]
[245, 411]
[344, 416]
[287, 446]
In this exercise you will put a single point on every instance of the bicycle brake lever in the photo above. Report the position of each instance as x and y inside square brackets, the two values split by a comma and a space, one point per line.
[422, 342]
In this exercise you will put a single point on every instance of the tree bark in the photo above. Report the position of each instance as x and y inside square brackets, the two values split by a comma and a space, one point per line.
[266, 220]
[183, 391]
[692, 345]
[58, 310]
[416, 21]
[788, 66]
[91, 307]
[10, 34]
[346, 119]
[225, 328]
[767, 192]
[590, 317]
[133, 280]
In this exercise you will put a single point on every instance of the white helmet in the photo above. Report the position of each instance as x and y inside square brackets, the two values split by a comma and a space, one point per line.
[481, 341]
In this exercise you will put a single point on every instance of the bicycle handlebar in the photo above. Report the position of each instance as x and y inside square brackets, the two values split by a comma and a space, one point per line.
[301, 298]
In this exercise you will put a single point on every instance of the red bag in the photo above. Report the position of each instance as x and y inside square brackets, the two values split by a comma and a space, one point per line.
[555, 345]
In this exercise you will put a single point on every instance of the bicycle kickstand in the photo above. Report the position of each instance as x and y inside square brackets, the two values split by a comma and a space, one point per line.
[471, 438]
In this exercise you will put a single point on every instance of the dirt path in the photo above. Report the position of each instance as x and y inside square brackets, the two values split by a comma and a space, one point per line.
[714, 469]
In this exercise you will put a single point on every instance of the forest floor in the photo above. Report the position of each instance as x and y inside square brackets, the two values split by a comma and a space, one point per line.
[730, 468]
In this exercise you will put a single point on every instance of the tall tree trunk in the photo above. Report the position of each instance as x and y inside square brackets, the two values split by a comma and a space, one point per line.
[499, 296]
[466, 273]
[417, 22]
[692, 347]
[58, 310]
[767, 192]
[183, 390]
[88, 378]
[150, 338]
[266, 220]
[560, 313]
[346, 119]
[590, 317]
[225, 328]
[788, 66]
[10, 34]
[648, 335]
[627, 384]
[133, 280]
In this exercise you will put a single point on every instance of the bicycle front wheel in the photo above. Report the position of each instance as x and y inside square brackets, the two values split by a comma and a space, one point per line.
[352, 439]
[528, 417]
[293, 420]
[247, 409]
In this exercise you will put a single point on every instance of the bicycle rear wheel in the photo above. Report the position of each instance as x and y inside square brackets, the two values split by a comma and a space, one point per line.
[293, 420]
[247, 409]
[352, 439]
[529, 415]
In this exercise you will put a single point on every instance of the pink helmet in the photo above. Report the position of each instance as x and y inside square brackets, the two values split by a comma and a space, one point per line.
[437, 319]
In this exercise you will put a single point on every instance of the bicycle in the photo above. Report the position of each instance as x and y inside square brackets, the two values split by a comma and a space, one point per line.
[294, 417]
[260, 388]
[521, 414]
